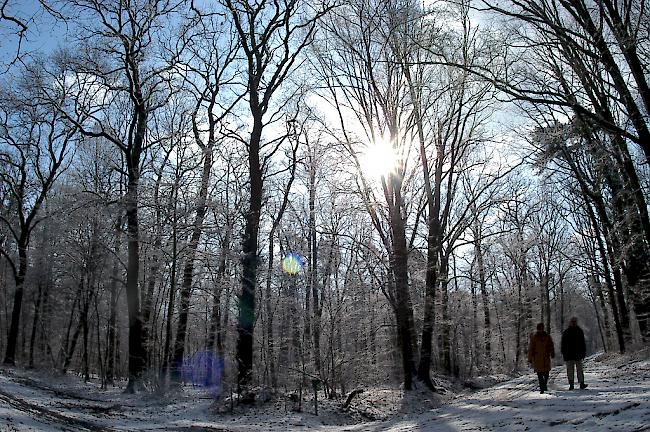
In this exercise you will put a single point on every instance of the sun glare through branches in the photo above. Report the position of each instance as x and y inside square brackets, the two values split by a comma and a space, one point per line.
[379, 159]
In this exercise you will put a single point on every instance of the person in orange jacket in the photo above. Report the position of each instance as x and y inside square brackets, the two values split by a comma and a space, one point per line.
[540, 352]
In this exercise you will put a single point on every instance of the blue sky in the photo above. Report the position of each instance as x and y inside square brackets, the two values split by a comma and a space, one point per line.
[44, 33]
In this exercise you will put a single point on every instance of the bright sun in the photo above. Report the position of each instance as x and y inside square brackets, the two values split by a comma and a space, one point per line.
[379, 159]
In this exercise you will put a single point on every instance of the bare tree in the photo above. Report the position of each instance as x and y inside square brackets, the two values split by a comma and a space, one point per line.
[572, 67]
[209, 72]
[36, 141]
[116, 71]
[365, 82]
[272, 36]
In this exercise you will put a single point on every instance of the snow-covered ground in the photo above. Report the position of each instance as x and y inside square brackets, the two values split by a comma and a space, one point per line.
[617, 399]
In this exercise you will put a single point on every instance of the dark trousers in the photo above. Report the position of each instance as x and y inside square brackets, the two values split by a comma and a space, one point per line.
[543, 380]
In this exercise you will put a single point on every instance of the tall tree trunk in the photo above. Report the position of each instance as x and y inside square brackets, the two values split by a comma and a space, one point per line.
[271, 45]
[181, 324]
[562, 301]
[85, 294]
[603, 307]
[628, 204]
[214, 332]
[445, 331]
[485, 299]
[147, 306]
[44, 347]
[313, 274]
[270, 339]
[63, 351]
[475, 360]
[82, 324]
[602, 252]
[325, 282]
[520, 317]
[37, 310]
[72, 346]
[306, 345]
[433, 238]
[19, 279]
[137, 352]
[547, 300]
[634, 255]
[283, 348]
[100, 358]
[84, 358]
[431, 281]
[622, 303]
[188, 270]
[612, 245]
[246, 319]
[114, 298]
[45, 260]
[167, 352]
[296, 341]
[399, 267]
[270, 345]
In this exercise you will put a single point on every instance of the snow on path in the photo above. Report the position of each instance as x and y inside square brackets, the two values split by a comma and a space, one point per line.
[618, 399]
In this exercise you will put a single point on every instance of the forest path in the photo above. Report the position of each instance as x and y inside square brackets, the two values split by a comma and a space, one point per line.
[618, 398]
[28, 402]
[45, 407]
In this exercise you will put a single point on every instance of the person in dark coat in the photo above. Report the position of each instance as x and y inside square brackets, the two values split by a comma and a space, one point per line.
[573, 352]
[540, 352]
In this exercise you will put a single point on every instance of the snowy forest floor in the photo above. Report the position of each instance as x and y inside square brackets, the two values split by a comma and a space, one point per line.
[618, 398]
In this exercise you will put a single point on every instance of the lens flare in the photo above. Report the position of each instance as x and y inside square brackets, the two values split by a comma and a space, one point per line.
[204, 369]
[292, 264]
